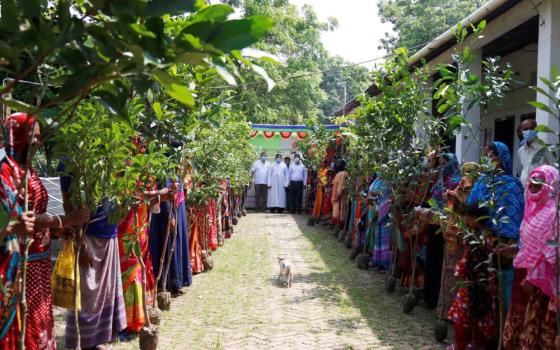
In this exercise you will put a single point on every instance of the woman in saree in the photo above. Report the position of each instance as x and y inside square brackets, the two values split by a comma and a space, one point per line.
[531, 320]
[453, 235]
[340, 194]
[180, 272]
[381, 227]
[448, 179]
[500, 186]
[322, 179]
[22, 137]
[135, 228]
[473, 311]
[10, 259]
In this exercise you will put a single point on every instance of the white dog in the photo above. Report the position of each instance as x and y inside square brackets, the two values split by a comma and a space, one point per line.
[286, 271]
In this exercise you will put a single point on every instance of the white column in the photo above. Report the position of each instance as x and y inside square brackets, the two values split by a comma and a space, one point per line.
[468, 142]
[548, 56]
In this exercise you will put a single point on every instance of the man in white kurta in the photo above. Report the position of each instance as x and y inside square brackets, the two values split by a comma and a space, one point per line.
[278, 181]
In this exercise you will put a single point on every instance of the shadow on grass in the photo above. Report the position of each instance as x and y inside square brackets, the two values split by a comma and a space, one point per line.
[344, 284]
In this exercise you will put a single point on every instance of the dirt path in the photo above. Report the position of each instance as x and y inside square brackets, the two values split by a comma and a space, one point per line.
[332, 304]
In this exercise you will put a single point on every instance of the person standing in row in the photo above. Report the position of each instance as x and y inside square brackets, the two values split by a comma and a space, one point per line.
[259, 172]
[278, 181]
[298, 179]
[288, 161]
[530, 154]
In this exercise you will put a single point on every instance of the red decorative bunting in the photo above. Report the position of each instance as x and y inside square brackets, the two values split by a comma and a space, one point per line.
[253, 133]
[302, 135]
[285, 134]
[268, 134]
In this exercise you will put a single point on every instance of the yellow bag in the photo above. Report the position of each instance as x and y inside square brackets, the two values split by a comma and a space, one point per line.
[62, 278]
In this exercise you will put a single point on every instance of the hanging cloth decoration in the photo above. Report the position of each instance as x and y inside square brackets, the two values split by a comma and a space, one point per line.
[253, 133]
[269, 134]
[285, 134]
[302, 135]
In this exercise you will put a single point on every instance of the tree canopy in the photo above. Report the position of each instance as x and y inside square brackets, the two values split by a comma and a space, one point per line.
[309, 81]
[416, 22]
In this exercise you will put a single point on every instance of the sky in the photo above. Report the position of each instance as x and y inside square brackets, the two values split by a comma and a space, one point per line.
[359, 28]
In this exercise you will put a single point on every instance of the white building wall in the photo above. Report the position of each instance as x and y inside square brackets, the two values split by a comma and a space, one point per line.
[524, 64]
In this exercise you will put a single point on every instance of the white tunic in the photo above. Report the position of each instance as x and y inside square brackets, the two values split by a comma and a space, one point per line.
[260, 172]
[278, 180]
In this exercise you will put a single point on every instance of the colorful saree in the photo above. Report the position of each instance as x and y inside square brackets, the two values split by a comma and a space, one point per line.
[9, 266]
[135, 227]
[531, 320]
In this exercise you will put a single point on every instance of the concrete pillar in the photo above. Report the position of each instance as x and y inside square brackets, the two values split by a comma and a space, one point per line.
[468, 143]
[548, 56]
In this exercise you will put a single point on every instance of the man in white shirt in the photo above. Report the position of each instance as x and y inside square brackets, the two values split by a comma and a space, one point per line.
[278, 181]
[259, 172]
[298, 180]
[531, 154]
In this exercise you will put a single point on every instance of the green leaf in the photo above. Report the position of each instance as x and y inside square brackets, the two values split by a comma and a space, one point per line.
[541, 106]
[241, 33]
[225, 74]
[216, 13]
[16, 105]
[63, 13]
[174, 87]
[262, 72]
[31, 8]
[9, 18]
[544, 128]
[141, 30]
[443, 107]
[158, 8]
[552, 243]
[156, 106]
[554, 72]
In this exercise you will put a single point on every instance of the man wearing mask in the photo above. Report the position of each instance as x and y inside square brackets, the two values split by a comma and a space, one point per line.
[288, 161]
[259, 172]
[278, 181]
[298, 179]
[531, 154]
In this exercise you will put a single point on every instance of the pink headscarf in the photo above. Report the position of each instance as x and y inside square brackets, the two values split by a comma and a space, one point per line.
[539, 218]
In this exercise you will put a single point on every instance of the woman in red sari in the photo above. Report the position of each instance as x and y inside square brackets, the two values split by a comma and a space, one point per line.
[22, 134]
[10, 260]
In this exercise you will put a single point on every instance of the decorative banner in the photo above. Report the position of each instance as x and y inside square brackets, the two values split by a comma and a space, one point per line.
[269, 134]
[253, 133]
[285, 134]
[302, 135]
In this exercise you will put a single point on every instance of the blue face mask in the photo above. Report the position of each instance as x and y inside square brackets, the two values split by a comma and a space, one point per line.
[278, 160]
[529, 136]
[263, 158]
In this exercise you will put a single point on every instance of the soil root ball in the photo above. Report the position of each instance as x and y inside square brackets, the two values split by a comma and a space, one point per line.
[341, 236]
[362, 260]
[355, 252]
[154, 315]
[311, 222]
[164, 301]
[244, 212]
[234, 220]
[149, 338]
[440, 330]
[207, 262]
[390, 284]
[409, 303]
[348, 241]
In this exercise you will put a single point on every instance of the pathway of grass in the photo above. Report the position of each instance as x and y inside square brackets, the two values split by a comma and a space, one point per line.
[332, 305]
